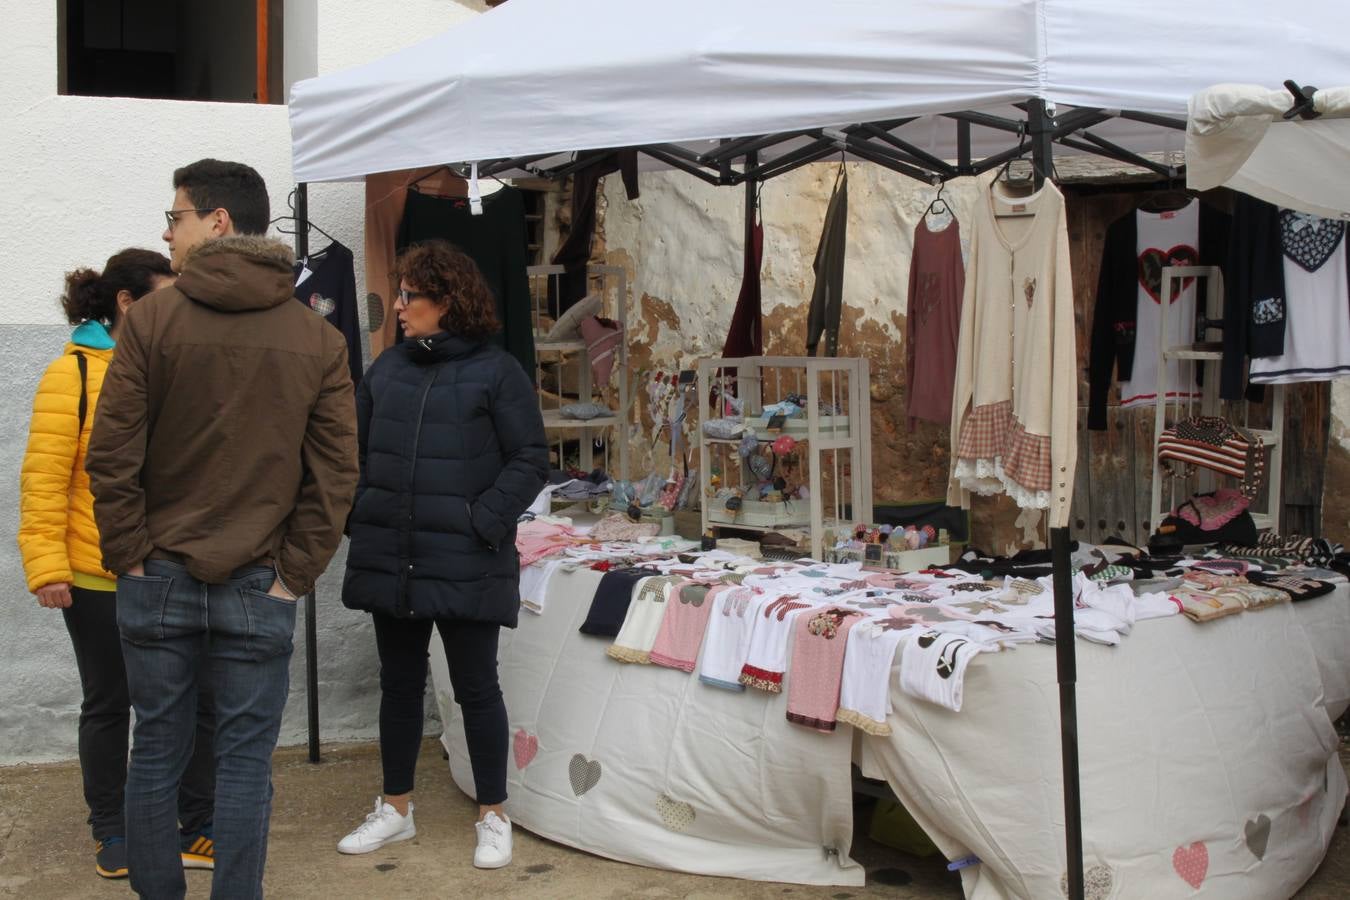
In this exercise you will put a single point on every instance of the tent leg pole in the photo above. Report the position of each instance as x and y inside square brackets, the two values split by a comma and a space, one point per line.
[1040, 128]
[311, 614]
[1067, 666]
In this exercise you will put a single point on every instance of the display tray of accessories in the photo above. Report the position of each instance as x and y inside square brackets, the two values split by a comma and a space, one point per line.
[771, 493]
[888, 548]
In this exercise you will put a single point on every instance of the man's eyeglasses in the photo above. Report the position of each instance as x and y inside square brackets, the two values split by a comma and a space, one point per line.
[171, 215]
[407, 297]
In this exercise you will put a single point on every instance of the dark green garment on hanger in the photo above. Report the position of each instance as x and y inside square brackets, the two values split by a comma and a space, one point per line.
[827, 303]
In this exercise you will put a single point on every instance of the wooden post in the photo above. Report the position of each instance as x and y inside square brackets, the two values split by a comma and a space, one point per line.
[261, 17]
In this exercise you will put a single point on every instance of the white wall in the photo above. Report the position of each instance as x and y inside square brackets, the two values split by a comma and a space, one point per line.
[84, 178]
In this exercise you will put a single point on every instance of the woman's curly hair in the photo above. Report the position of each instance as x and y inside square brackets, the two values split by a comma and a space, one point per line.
[445, 272]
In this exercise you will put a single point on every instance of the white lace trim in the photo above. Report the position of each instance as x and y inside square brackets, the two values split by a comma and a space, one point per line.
[987, 478]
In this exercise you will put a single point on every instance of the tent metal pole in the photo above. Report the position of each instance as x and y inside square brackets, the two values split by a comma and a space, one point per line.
[1103, 147]
[751, 187]
[1154, 119]
[311, 614]
[1040, 128]
[659, 153]
[963, 163]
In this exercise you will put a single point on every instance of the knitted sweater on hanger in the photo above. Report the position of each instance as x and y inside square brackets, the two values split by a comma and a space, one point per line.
[1015, 404]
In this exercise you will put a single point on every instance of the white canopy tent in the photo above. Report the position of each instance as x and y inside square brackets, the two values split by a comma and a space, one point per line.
[911, 84]
[537, 78]
[1237, 137]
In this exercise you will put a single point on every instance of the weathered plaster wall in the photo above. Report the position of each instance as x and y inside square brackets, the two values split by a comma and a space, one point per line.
[682, 244]
[85, 177]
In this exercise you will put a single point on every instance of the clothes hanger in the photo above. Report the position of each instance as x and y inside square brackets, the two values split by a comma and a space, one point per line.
[290, 202]
[1168, 199]
[940, 184]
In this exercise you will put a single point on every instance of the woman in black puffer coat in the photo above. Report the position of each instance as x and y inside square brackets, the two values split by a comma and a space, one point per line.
[452, 452]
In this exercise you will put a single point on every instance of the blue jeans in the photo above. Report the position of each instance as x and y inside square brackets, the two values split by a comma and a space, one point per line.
[175, 631]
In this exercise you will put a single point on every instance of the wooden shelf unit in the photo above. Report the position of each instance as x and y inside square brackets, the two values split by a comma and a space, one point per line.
[611, 282]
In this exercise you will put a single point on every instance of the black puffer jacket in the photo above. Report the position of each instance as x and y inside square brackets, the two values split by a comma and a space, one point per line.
[452, 452]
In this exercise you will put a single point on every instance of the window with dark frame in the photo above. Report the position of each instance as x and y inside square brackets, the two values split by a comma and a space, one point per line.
[211, 50]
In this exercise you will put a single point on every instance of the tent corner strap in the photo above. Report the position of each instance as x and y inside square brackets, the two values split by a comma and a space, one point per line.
[1303, 107]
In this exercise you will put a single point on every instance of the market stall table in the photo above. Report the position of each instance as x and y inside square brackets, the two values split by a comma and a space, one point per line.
[1210, 758]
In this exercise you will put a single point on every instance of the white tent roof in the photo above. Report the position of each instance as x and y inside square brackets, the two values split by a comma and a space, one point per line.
[542, 76]
[1237, 137]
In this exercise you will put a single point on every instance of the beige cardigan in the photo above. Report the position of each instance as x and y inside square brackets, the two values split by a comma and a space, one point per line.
[1015, 404]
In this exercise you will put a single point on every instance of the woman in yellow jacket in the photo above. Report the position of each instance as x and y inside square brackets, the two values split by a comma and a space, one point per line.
[63, 563]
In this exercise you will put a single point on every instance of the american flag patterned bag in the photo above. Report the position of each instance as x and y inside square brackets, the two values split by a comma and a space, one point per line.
[1214, 443]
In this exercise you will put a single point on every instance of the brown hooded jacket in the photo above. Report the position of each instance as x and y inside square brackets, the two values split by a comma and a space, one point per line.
[226, 431]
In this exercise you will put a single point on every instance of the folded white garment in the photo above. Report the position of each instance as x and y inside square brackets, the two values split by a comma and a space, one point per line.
[534, 581]
[933, 666]
[865, 692]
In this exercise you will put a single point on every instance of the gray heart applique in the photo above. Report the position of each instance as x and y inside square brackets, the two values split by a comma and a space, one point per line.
[1097, 883]
[583, 773]
[1257, 834]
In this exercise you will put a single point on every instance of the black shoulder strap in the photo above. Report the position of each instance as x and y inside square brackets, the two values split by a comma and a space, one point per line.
[84, 387]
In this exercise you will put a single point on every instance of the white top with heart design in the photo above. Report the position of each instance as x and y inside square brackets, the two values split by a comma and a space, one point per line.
[1165, 239]
[1317, 304]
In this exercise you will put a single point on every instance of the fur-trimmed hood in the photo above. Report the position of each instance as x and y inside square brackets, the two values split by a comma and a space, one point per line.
[239, 274]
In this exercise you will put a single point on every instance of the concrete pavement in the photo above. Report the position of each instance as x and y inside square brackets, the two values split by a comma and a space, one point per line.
[46, 853]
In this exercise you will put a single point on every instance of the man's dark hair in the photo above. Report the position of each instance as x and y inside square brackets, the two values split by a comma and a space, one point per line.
[214, 184]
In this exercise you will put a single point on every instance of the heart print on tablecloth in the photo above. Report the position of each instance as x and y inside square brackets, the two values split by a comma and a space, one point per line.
[583, 773]
[1097, 883]
[525, 746]
[675, 814]
[1257, 835]
[1192, 863]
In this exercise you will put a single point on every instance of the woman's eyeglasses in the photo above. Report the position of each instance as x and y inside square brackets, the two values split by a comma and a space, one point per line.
[407, 297]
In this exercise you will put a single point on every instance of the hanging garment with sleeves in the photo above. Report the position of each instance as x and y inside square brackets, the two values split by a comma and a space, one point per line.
[937, 279]
[1317, 303]
[497, 242]
[1162, 239]
[1015, 402]
[326, 283]
[827, 304]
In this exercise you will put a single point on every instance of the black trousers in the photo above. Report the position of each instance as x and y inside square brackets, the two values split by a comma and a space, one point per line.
[105, 720]
[471, 650]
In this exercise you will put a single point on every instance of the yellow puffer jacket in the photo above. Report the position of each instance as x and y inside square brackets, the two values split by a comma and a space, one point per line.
[57, 534]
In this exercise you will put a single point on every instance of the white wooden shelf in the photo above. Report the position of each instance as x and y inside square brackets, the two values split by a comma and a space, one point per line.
[555, 419]
[834, 451]
[1188, 357]
[568, 357]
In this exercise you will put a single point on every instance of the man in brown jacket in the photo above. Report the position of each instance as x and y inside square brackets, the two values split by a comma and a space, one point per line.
[223, 464]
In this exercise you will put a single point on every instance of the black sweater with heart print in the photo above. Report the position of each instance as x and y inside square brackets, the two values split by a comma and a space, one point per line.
[1113, 319]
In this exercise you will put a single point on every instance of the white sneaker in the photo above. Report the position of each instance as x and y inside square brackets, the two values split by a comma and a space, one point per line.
[494, 842]
[383, 826]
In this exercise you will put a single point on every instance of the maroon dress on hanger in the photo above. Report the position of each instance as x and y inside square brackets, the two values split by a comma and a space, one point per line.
[937, 279]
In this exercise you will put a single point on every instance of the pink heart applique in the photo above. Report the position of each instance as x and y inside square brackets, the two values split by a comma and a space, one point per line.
[1192, 863]
[525, 746]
